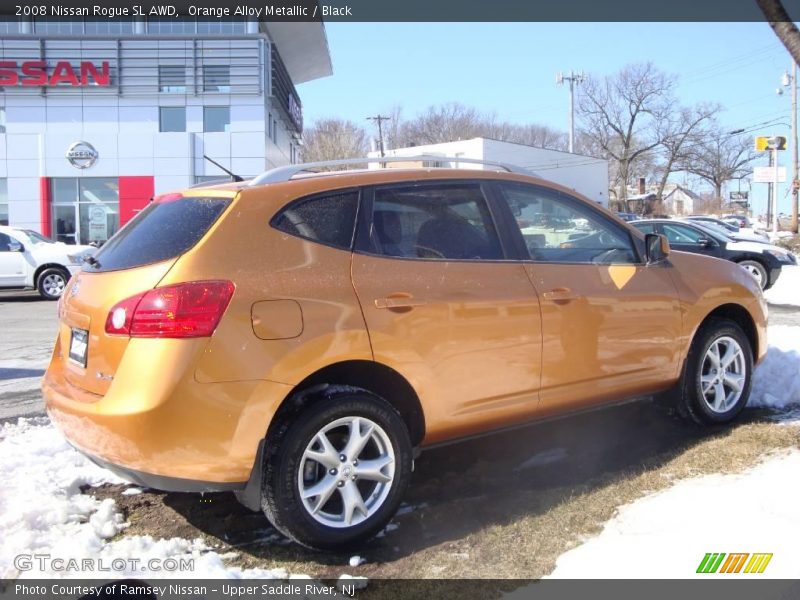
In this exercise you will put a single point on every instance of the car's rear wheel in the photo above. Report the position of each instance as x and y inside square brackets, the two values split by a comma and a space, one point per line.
[51, 283]
[717, 376]
[757, 270]
[337, 474]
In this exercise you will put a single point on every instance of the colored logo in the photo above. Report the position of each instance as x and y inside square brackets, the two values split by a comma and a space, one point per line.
[741, 562]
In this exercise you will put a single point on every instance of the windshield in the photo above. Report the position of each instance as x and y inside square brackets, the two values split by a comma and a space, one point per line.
[718, 233]
[36, 237]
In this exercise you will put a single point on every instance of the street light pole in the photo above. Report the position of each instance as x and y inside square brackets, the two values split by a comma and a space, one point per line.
[573, 78]
[379, 119]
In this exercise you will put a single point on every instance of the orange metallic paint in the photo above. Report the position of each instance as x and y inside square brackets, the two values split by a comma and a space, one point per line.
[483, 344]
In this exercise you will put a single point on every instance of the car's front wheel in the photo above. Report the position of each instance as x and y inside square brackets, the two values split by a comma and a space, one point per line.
[337, 474]
[718, 372]
[51, 283]
[757, 270]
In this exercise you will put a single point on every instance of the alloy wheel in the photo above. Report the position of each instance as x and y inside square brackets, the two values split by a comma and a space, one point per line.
[723, 374]
[346, 472]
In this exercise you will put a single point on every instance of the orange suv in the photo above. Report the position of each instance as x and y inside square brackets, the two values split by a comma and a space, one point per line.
[297, 338]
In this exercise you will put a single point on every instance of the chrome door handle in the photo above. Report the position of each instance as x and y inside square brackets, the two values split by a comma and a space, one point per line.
[398, 301]
[560, 294]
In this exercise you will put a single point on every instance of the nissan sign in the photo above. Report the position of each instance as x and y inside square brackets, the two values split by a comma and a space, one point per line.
[36, 73]
[82, 155]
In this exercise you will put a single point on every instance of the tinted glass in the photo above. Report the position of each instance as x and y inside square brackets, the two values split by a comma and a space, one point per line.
[557, 229]
[681, 234]
[328, 220]
[172, 118]
[161, 231]
[216, 118]
[445, 222]
[216, 78]
[645, 227]
[172, 78]
[4, 242]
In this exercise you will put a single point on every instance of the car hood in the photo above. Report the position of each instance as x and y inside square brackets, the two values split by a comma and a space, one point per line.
[58, 252]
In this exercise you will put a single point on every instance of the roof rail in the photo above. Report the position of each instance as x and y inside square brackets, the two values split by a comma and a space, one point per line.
[281, 174]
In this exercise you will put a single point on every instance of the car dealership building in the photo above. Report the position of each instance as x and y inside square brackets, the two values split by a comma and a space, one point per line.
[97, 117]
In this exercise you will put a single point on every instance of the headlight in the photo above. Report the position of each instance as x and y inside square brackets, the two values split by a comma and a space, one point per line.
[76, 259]
[780, 255]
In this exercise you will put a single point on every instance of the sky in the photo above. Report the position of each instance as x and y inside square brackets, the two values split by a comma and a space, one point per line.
[509, 69]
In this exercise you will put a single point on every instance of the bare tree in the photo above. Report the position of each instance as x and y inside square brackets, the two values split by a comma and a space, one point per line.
[782, 25]
[623, 115]
[718, 159]
[540, 136]
[445, 123]
[681, 131]
[330, 139]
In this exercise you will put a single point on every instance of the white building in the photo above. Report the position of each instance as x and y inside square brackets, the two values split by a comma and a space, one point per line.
[681, 201]
[97, 117]
[584, 174]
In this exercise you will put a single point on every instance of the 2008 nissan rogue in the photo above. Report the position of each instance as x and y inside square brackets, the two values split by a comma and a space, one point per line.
[295, 338]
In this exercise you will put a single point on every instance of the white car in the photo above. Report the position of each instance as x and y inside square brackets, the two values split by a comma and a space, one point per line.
[28, 260]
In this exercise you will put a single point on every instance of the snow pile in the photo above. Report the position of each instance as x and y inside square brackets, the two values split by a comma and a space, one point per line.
[666, 535]
[786, 290]
[42, 511]
[776, 383]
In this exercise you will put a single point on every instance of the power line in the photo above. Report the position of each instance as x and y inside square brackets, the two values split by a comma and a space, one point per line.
[379, 119]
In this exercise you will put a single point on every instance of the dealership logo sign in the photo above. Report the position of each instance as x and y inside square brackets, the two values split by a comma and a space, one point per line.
[713, 562]
[82, 155]
[35, 73]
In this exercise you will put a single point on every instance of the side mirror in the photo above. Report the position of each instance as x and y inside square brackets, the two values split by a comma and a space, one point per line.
[656, 248]
[705, 242]
[15, 246]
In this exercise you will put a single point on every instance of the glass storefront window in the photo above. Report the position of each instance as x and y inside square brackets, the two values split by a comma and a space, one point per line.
[85, 210]
[3, 202]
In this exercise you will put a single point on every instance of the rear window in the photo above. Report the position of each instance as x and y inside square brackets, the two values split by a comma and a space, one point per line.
[161, 231]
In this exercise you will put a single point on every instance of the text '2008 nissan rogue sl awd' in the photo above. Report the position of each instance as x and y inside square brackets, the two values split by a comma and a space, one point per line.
[297, 337]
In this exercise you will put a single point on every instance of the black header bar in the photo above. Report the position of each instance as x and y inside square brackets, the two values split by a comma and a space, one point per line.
[399, 10]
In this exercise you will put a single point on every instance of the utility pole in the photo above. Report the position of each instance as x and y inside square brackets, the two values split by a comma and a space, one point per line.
[795, 165]
[573, 78]
[379, 119]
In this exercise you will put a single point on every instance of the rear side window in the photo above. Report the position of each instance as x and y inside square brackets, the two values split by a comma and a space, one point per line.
[161, 231]
[328, 220]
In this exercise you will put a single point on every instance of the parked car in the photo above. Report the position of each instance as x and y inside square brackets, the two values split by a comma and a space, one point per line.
[733, 229]
[29, 260]
[627, 216]
[741, 221]
[762, 260]
[297, 338]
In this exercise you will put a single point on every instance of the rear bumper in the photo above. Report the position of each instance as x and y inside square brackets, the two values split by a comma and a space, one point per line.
[164, 483]
[157, 426]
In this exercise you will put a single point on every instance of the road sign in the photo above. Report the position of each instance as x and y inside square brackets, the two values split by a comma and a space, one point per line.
[770, 142]
[739, 195]
[767, 174]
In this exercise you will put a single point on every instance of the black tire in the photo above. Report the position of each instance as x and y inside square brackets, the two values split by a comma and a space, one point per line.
[762, 276]
[51, 283]
[281, 498]
[692, 403]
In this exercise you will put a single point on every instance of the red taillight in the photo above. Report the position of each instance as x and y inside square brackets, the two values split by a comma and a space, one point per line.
[183, 310]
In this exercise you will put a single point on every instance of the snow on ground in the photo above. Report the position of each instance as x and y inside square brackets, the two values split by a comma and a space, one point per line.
[667, 534]
[786, 290]
[43, 511]
[776, 381]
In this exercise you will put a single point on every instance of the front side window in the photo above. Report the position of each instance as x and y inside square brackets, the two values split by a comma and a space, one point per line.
[558, 229]
[5, 243]
[172, 79]
[441, 222]
[172, 118]
[216, 78]
[327, 219]
[646, 227]
[681, 234]
[216, 118]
